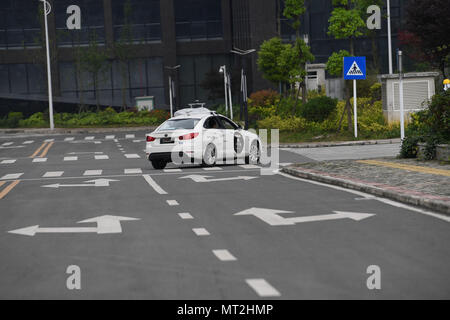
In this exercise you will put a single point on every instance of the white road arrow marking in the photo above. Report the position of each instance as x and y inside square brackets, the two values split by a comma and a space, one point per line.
[105, 225]
[273, 218]
[200, 178]
[90, 183]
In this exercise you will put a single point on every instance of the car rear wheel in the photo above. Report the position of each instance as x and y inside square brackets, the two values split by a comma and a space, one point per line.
[210, 156]
[253, 154]
[159, 164]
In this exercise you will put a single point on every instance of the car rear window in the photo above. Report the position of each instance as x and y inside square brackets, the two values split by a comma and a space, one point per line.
[176, 124]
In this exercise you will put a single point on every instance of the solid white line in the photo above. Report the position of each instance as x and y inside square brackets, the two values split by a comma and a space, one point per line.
[224, 255]
[372, 197]
[153, 184]
[92, 173]
[132, 171]
[69, 139]
[172, 203]
[70, 158]
[213, 169]
[40, 160]
[8, 161]
[263, 288]
[173, 170]
[101, 157]
[52, 174]
[186, 216]
[201, 232]
[11, 176]
[132, 156]
[28, 142]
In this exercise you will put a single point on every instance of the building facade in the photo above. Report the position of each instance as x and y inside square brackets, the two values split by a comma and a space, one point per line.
[195, 34]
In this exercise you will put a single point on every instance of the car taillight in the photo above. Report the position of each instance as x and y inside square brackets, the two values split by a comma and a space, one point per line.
[150, 139]
[189, 136]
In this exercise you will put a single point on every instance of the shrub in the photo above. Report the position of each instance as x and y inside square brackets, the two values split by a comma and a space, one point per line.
[36, 120]
[264, 98]
[13, 119]
[375, 92]
[318, 109]
[289, 124]
[409, 147]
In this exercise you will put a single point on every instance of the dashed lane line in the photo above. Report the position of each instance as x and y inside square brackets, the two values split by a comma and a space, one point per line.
[172, 170]
[132, 171]
[7, 144]
[132, 156]
[70, 158]
[11, 186]
[263, 288]
[172, 203]
[224, 255]
[93, 173]
[69, 139]
[10, 161]
[40, 160]
[213, 169]
[101, 157]
[153, 184]
[186, 216]
[28, 142]
[201, 232]
[52, 174]
[89, 138]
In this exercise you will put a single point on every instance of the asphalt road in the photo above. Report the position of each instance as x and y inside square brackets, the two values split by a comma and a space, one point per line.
[188, 243]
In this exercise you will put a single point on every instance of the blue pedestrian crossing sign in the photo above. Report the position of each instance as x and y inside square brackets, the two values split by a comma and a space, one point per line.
[355, 68]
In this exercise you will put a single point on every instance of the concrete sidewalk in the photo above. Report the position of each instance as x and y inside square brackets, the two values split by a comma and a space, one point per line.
[424, 184]
[338, 143]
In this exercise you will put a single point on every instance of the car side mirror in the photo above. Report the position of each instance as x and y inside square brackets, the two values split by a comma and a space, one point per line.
[239, 127]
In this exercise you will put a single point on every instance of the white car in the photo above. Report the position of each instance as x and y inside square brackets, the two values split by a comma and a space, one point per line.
[201, 137]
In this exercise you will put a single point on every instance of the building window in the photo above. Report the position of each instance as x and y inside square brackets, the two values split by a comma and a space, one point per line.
[198, 19]
[137, 21]
[22, 79]
[92, 23]
[19, 24]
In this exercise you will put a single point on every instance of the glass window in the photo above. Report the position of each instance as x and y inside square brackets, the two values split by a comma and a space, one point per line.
[211, 123]
[228, 124]
[176, 124]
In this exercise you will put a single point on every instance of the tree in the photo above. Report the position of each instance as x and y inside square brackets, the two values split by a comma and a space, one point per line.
[346, 23]
[267, 61]
[294, 9]
[429, 21]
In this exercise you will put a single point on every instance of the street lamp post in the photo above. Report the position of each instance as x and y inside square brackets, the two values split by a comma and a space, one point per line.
[47, 10]
[244, 106]
[389, 36]
[223, 69]
[171, 87]
[400, 93]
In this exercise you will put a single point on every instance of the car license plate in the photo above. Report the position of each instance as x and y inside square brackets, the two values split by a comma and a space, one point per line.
[166, 140]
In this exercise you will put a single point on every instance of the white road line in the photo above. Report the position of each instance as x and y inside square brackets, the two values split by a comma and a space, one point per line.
[28, 142]
[70, 158]
[186, 216]
[213, 169]
[89, 138]
[201, 232]
[224, 255]
[132, 156]
[101, 157]
[249, 166]
[172, 203]
[8, 161]
[263, 288]
[132, 171]
[93, 173]
[130, 136]
[7, 144]
[109, 137]
[69, 139]
[153, 184]
[52, 174]
[40, 160]
[173, 170]
[11, 176]
[49, 140]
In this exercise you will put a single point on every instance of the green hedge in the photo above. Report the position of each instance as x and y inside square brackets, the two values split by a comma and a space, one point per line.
[108, 117]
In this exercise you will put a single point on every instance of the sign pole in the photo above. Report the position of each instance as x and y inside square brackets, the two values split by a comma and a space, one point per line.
[355, 110]
[170, 94]
[400, 89]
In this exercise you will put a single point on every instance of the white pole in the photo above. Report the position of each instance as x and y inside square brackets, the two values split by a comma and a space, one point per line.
[47, 10]
[355, 110]
[400, 89]
[389, 35]
[231, 99]
[170, 94]
[225, 86]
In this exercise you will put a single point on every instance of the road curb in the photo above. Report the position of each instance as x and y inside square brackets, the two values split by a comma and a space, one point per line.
[436, 205]
[73, 130]
[339, 144]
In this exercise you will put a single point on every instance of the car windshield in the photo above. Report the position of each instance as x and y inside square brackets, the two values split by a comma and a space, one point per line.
[176, 124]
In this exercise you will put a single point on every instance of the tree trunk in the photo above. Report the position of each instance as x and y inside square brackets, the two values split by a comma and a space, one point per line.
[296, 100]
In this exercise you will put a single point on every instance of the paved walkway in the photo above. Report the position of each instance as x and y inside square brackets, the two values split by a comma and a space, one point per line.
[408, 180]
